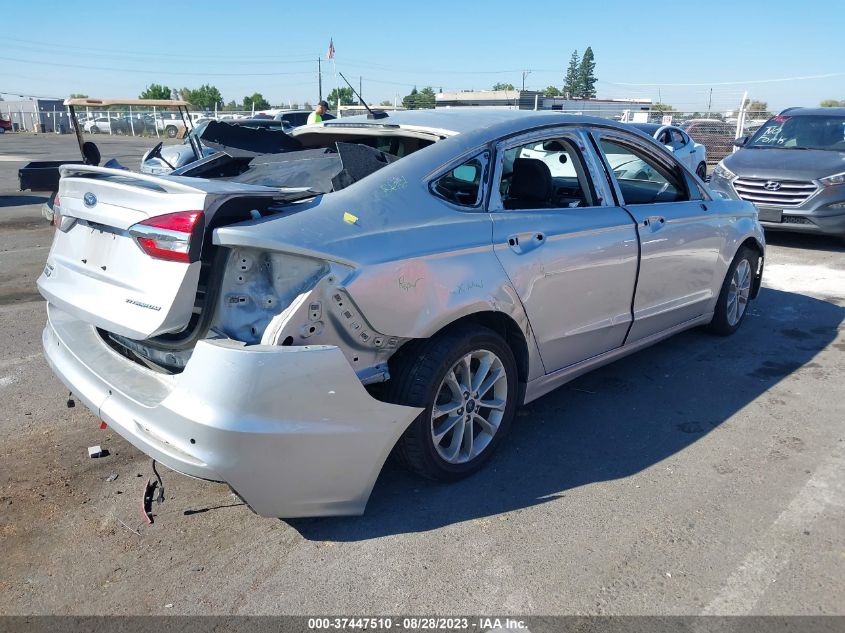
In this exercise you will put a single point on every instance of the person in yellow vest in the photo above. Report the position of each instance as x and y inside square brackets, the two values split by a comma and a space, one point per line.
[319, 111]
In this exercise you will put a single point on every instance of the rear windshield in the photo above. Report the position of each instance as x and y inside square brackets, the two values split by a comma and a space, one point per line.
[801, 132]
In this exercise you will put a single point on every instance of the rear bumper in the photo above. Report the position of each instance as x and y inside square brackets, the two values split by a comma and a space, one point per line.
[290, 429]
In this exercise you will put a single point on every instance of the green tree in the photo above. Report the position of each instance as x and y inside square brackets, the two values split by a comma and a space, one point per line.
[79, 95]
[551, 91]
[832, 103]
[256, 101]
[155, 91]
[345, 94]
[426, 98]
[662, 107]
[205, 97]
[386, 102]
[501, 86]
[570, 81]
[586, 75]
[410, 99]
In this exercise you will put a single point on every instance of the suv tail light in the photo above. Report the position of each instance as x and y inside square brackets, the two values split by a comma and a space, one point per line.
[175, 237]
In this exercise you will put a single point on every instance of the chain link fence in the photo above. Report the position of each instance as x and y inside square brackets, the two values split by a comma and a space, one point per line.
[717, 131]
[149, 122]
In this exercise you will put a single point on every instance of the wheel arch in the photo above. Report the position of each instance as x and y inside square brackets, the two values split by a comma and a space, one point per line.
[754, 244]
[500, 323]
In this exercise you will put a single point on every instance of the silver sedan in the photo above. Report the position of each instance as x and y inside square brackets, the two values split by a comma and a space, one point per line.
[391, 285]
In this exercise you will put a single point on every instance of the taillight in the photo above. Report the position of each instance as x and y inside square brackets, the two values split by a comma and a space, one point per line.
[62, 222]
[175, 237]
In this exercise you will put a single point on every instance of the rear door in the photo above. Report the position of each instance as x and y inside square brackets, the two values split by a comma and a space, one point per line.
[98, 268]
[570, 253]
[680, 236]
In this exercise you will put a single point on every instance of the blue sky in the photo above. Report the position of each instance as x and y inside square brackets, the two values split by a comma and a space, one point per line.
[674, 51]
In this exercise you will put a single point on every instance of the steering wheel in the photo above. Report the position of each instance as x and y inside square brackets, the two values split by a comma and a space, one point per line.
[155, 152]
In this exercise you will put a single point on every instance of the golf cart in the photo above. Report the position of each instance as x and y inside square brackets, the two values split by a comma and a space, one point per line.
[44, 175]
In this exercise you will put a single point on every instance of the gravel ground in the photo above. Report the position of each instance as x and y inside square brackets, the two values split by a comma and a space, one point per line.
[703, 475]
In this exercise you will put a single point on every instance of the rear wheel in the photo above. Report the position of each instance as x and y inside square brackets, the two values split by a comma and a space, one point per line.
[701, 170]
[95, 129]
[736, 293]
[466, 380]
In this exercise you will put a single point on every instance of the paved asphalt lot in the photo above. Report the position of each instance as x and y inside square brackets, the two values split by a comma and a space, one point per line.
[701, 475]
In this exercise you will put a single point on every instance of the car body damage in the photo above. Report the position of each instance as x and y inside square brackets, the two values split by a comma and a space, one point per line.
[481, 258]
[223, 136]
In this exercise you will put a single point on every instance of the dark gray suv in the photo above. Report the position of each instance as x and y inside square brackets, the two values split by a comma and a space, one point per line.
[793, 170]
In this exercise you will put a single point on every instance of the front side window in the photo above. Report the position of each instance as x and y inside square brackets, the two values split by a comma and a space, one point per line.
[463, 184]
[547, 174]
[678, 140]
[642, 179]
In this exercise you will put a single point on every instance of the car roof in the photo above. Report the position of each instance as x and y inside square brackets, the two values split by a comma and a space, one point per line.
[797, 111]
[485, 122]
[648, 128]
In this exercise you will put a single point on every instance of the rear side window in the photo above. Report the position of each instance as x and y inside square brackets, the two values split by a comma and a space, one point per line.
[547, 174]
[641, 178]
[463, 184]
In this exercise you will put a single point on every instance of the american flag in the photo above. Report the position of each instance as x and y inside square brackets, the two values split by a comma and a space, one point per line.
[330, 52]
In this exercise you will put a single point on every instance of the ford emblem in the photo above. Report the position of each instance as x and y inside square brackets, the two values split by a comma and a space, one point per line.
[89, 199]
[772, 185]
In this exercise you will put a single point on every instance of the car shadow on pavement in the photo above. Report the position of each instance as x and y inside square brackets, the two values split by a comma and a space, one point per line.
[21, 201]
[608, 424]
[805, 241]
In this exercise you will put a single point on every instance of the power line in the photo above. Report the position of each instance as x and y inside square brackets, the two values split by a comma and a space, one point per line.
[735, 83]
[157, 72]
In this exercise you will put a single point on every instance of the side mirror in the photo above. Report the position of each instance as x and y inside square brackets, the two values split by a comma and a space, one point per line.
[741, 141]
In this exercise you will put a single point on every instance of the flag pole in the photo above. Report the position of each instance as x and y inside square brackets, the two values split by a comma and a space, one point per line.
[336, 89]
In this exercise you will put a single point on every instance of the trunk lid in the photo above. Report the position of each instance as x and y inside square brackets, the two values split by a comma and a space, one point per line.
[97, 269]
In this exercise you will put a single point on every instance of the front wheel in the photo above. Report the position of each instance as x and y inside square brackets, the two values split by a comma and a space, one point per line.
[701, 170]
[736, 293]
[171, 131]
[466, 380]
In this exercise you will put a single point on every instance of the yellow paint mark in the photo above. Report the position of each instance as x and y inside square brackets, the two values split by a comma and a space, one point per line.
[349, 218]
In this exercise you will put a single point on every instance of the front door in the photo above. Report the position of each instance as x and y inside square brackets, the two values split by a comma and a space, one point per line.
[569, 252]
[679, 234]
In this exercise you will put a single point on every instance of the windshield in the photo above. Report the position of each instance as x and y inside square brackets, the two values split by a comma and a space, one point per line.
[801, 132]
[197, 131]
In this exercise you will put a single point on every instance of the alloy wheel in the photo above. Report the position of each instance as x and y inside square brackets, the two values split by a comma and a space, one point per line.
[738, 292]
[469, 407]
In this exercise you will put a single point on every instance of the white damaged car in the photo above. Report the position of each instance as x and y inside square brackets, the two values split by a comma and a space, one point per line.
[399, 284]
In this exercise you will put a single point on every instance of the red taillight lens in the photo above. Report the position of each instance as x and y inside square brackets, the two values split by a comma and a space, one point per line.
[175, 237]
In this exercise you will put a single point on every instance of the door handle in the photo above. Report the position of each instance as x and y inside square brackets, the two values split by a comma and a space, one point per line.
[654, 221]
[526, 242]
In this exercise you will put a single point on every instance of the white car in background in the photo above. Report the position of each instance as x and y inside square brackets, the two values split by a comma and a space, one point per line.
[686, 150]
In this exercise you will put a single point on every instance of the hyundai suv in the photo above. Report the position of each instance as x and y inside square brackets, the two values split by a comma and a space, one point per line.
[793, 169]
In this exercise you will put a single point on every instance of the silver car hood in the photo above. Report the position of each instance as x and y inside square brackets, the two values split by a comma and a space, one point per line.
[792, 164]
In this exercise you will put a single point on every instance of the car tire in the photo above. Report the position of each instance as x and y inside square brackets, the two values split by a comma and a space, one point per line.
[701, 170]
[732, 305]
[171, 131]
[95, 129]
[459, 436]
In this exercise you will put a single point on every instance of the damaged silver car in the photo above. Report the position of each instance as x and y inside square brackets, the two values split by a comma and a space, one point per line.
[284, 322]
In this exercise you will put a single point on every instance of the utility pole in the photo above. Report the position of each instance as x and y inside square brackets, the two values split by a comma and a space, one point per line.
[709, 102]
[359, 91]
[319, 80]
[525, 73]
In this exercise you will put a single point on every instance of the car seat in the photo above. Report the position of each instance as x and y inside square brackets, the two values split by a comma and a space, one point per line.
[531, 185]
